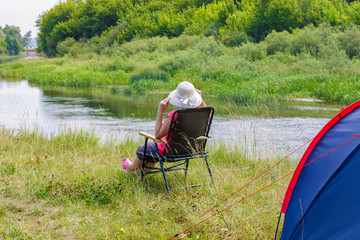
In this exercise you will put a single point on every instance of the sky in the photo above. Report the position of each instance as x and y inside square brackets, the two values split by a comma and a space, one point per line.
[23, 13]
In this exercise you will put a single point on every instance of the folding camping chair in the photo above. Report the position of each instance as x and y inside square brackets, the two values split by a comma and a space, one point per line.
[188, 135]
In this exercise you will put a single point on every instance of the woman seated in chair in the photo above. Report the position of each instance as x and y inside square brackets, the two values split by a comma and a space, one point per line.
[185, 96]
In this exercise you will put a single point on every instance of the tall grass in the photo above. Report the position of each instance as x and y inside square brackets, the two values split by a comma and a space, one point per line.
[6, 58]
[72, 186]
[63, 72]
[313, 62]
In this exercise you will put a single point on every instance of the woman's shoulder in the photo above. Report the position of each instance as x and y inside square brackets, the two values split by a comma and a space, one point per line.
[172, 113]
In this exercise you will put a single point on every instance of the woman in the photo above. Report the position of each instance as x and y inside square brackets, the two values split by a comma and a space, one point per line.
[185, 96]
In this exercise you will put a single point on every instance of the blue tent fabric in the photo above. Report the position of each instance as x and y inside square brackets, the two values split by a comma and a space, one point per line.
[309, 188]
[335, 213]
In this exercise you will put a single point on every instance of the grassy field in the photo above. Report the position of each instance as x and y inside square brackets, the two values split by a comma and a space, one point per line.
[6, 58]
[71, 186]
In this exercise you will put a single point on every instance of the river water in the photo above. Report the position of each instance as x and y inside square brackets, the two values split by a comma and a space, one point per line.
[260, 130]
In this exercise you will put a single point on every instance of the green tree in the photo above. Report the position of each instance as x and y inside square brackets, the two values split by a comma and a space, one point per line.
[12, 39]
[319, 11]
[13, 45]
[354, 12]
[3, 45]
[47, 22]
[257, 26]
[283, 15]
[207, 19]
[12, 31]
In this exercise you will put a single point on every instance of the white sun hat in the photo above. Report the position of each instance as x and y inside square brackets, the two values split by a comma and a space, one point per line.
[185, 96]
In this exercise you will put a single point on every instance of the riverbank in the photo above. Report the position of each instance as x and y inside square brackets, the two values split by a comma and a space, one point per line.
[243, 74]
[72, 186]
[257, 82]
[7, 58]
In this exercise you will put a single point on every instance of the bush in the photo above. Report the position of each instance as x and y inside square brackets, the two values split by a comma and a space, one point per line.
[63, 47]
[209, 47]
[278, 42]
[142, 45]
[306, 41]
[235, 38]
[350, 42]
[332, 55]
[182, 60]
[78, 48]
[180, 43]
[253, 51]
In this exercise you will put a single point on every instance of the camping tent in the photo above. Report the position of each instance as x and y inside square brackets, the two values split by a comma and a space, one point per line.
[323, 198]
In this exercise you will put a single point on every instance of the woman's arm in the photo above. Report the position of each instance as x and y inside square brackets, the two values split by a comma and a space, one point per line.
[202, 104]
[162, 128]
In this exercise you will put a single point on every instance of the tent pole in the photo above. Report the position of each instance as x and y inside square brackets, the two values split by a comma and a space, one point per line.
[277, 227]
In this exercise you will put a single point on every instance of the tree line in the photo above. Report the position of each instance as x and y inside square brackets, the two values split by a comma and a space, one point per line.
[11, 41]
[231, 22]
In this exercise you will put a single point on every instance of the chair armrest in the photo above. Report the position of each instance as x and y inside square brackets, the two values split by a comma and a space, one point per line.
[152, 137]
[203, 137]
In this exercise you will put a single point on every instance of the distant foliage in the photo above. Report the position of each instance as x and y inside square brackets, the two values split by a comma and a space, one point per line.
[235, 38]
[350, 41]
[10, 40]
[278, 42]
[252, 51]
[64, 46]
[26, 39]
[108, 22]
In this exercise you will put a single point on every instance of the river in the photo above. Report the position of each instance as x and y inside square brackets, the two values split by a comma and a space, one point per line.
[260, 130]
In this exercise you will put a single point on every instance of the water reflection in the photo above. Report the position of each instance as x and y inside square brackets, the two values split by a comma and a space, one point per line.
[261, 129]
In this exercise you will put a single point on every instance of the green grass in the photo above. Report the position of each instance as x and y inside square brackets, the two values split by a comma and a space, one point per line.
[159, 64]
[264, 81]
[7, 58]
[72, 186]
[62, 72]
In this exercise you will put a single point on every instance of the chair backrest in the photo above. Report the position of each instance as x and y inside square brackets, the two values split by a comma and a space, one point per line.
[184, 131]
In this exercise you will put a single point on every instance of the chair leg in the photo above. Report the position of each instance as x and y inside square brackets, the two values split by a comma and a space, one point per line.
[208, 166]
[163, 172]
[186, 168]
[143, 161]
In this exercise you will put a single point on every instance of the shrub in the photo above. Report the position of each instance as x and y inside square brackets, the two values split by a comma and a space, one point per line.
[306, 41]
[63, 47]
[78, 48]
[253, 51]
[235, 38]
[209, 47]
[350, 42]
[332, 55]
[180, 43]
[182, 60]
[142, 45]
[278, 42]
